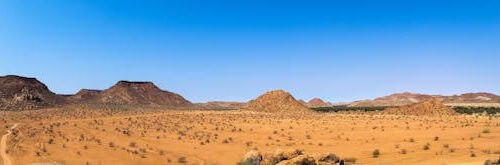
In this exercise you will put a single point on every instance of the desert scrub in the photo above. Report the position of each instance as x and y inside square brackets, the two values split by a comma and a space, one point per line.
[182, 160]
[376, 153]
[427, 146]
[486, 130]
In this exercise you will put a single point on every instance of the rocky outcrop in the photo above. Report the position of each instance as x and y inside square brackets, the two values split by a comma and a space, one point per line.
[22, 93]
[291, 157]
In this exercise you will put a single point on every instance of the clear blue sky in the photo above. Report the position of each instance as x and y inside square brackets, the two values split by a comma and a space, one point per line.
[235, 50]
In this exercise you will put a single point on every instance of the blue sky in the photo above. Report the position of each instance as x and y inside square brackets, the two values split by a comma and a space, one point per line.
[236, 50]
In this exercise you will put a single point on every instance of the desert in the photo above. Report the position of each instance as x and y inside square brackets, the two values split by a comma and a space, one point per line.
[249, 82]
[150, 131]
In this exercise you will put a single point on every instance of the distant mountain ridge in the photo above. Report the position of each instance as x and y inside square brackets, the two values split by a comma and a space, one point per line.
[223, 105]
[406, 98]
[22, 93]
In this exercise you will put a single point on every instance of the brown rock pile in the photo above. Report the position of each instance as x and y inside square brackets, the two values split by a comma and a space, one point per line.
[492, 162]
[430, 107]
[291, 157]
[277, 101]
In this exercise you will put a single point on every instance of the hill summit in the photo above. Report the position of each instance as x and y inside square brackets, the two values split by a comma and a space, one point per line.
[22, 93]
[429, 107]
[277, 101]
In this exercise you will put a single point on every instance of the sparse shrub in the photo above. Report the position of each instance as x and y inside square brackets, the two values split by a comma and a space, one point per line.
[132, 144]
[182, 160]
[486, 130]
[427, 146]
[376, 153]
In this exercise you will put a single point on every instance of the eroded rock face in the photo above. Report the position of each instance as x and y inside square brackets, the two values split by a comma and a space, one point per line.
[252, 158]
[22, 93]
[492, 162]
[290, 157]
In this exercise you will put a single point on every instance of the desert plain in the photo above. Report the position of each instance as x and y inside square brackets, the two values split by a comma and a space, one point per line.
[137, 123]
[223, 137]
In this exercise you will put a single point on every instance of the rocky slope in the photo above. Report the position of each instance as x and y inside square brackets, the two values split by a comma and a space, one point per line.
[131, 93]
[22, 93]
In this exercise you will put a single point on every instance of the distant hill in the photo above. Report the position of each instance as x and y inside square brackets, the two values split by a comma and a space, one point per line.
[131, 93]
[473, 98]
[399, 99]
[429, 107]
[316, 102]
[277, 101]
[22, 93]
[220, 105]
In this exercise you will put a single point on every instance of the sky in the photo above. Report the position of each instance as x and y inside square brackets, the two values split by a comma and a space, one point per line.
[337, 50]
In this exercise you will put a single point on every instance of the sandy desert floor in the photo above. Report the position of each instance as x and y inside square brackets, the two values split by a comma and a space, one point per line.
[223, 137]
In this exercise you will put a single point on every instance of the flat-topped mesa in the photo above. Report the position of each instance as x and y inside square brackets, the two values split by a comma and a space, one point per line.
[277, 101]
[23, 93]
[140, 93]
[429, 107]
[135, 83]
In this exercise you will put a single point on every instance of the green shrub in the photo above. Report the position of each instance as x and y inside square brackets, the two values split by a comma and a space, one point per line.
[486, 130]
